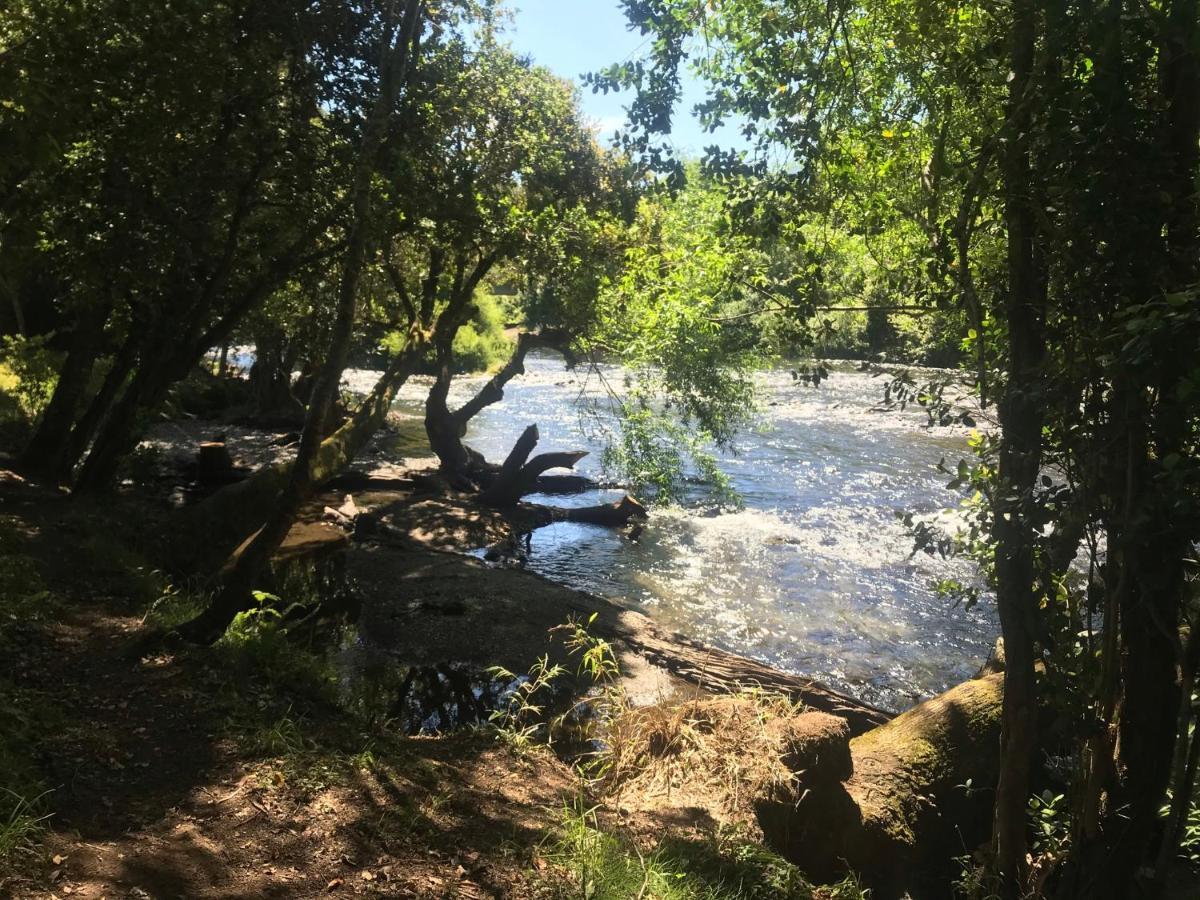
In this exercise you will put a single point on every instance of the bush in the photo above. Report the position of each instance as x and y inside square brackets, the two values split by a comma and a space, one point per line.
[28, 376]
[480, 344]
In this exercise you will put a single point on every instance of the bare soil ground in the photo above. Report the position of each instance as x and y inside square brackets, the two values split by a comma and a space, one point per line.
[160, 785]
[171, 771]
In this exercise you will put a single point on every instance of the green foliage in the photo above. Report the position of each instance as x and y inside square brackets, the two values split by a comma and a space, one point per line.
[655, 454]
[28, 375]
[258, 643]
[675, 318]
[524, 718]
[25, 716]
[1189, 844]
[1048, 816]
[21, 826]
[481, 344]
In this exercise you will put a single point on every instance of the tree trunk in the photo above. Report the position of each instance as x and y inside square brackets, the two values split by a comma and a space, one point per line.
[442, 427]
[1183, 767]
[234, 595]
[1020, 459]
[46, 451]
[118, 431]
[271, 381]
[917, 797]
[518, 475]
[446, 429]
[217, 526]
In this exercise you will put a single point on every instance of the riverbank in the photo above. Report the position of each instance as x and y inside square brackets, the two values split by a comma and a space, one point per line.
[245, 770]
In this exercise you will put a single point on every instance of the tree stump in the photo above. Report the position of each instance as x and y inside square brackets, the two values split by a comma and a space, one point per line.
[214, 465]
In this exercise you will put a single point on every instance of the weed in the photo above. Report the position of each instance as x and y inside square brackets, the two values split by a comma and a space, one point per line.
[520, 719]
[283, 737]
[21, 826]
[257, 644]
[24, 718]
[173, 607]
[1050, 820]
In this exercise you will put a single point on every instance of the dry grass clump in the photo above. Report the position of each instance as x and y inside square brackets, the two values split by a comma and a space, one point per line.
[714, 753]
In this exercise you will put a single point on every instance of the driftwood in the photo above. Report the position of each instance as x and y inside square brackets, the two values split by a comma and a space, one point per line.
[519, 475]
[919, 795]
[612, 515]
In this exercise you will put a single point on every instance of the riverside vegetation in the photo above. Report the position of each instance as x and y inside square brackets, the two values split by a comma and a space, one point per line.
[189, 704]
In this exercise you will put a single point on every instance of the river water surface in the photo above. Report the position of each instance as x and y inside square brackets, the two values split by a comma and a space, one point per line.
[814, 575]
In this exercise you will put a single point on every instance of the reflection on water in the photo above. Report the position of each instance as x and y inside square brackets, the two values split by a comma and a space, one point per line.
[814, 575]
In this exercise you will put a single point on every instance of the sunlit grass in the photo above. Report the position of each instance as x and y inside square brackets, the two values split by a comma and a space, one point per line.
[591, 862]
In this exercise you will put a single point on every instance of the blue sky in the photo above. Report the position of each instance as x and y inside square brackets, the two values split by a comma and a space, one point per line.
[571, 37]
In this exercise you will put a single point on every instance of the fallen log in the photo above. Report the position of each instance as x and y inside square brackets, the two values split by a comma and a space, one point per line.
[920, 795]
[719, 672]
[611, 515]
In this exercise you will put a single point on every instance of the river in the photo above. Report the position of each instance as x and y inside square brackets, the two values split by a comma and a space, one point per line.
[814, 575]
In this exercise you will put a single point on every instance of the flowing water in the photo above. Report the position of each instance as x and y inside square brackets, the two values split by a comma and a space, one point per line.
[815, 575]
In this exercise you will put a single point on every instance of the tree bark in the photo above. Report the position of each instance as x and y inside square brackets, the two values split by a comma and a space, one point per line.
[916, 799]
[518, 475]
[46, 453]
[1020, 459]
[271, 381]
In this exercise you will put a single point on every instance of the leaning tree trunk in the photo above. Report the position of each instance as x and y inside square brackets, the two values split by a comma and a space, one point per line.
[443, 428]
[47, 451]
[115, 434]
[218, 525]
[446, 428]
[235, 593]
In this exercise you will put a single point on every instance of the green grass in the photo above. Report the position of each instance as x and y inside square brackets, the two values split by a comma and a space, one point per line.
[22, 828]
[595, 864]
